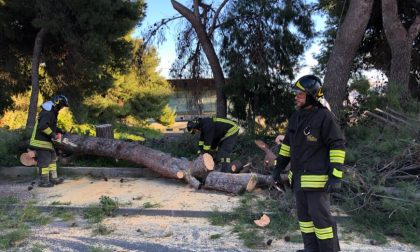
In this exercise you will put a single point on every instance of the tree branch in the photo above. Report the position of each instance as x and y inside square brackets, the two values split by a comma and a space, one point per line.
[414, 30]
[215, 18]
[196, 9]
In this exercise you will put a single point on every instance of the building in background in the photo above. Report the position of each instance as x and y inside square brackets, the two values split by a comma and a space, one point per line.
[193, 98]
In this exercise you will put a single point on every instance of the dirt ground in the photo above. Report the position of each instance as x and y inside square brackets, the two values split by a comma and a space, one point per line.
[148, 233]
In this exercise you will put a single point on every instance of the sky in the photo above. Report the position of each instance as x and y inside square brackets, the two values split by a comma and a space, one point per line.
[158, 9]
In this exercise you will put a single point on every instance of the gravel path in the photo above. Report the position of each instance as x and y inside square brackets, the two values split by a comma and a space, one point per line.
[149, 233]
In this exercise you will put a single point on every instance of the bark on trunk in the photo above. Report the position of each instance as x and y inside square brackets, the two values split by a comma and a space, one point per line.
[205, 41]
[162, 163]
[199, 168]
[267, 180]
[345, 47]
[158, 161]
[36, 57]
[231, 183]
[104, 131]
[401, 43]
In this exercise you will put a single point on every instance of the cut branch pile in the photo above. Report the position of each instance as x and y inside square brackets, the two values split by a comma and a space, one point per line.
[403, 167]
[393, 118]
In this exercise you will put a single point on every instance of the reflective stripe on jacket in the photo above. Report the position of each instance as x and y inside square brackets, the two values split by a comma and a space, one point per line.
[314, 144]
[44, 130]
[215, 130]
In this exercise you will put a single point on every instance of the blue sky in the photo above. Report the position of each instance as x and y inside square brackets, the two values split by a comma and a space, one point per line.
[158, 9]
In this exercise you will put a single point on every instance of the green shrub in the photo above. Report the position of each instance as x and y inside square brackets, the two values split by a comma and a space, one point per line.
[9, 147]
[168, 116]
[14, 119]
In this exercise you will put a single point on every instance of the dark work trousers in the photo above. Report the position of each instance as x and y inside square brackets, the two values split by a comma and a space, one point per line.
[318, 227]
[45, 157]
[224, 154]
[46, 161]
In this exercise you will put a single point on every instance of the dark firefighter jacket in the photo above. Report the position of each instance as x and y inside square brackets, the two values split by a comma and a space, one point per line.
[315, 146]
[215, 130]
[44, 130]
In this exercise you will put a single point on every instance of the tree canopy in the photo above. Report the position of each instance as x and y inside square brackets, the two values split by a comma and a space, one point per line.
[263, 42]
[84, 44]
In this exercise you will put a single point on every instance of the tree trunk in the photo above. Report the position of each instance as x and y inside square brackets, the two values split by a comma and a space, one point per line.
[211, 55]
[104, 131]
[36, 57]
[231, 183]
[161, 163]
[158, 161]
[347, 42]
[401, 43]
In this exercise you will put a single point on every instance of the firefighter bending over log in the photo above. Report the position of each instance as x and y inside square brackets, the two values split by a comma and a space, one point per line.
[44, 134]
[216, 135]
[314, 145]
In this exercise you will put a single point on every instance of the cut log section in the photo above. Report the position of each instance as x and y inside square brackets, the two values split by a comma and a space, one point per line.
[201, 166]
[186, 175]
[198, 168]
[231, 183]
[263, 221]
[28, 158]
[236, 166]
[104, 131]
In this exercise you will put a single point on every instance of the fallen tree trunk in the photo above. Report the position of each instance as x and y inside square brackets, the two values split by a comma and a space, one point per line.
[158, 161]
[164, 164]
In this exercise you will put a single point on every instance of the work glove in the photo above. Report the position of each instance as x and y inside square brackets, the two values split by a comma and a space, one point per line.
[333, 185]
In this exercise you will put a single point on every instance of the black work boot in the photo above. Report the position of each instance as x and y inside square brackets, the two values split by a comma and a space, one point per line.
[57, 181]
[45, 181]
[54, 179]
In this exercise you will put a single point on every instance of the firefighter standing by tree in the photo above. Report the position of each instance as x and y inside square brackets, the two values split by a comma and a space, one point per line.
[216, 134]
[314, 145]
[43, 135]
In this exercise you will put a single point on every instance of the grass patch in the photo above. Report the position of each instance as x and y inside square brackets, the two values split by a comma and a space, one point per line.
[251, 207]
[96, 213]
[295, 238]
[9, 200]
[151, 205]
[100, 249]
[38, 247]
[63, 214]
[215, 236]
[102, 230]
[32, 215]
[13, 238]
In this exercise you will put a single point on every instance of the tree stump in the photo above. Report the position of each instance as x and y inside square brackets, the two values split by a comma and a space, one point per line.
[104, 131]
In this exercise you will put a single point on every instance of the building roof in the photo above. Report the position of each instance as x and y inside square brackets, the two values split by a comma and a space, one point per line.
[190, 84]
